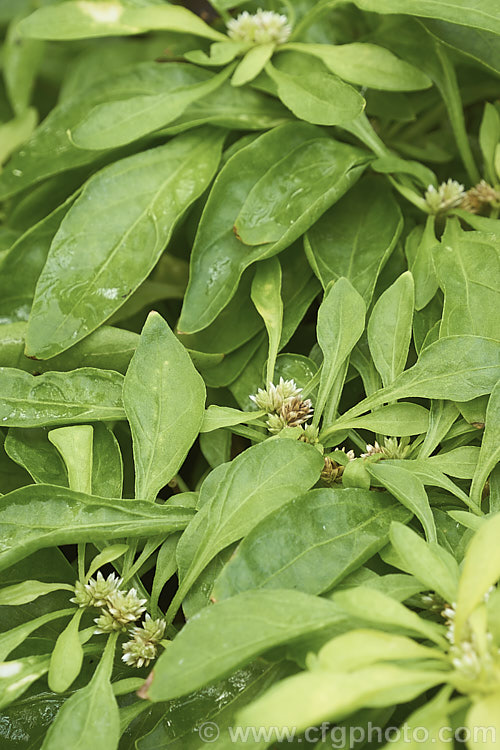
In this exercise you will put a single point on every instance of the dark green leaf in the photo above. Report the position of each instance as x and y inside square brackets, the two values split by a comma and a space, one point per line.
[139, 201]
[311, 543]
[66, 517]
[228, 635]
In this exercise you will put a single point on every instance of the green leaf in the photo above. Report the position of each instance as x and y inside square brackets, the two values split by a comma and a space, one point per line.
[362, 648]
[390, 328]
[481, 570]
[31, 449]
[117, 123]
[356, 236]
[217, 417]
[164, 398]
[367, 65]
[479, 14]
[107, 464]
[341, 321]
[295, 191]
[135, 220]
[489, 454]
[220, 53]
[468, 269]
[394, 165]
[67, 657]
[311, 543]
[17, 676]
[419, 252]
[489, 138]
[434, 716]
[374, 607]
[28, 591]
[108, 554]
[307, 699]
[393, 420]
[441, 417]
[459, 462]
[67, 517]
[89, 718]
[216, 703]
[320, 98]
[34, 162]
[241, 108]
[275, 207]
[106, 349]
[11, 639]
[480, 45]
[15, 132]
[266, 296]
[253, 63]
[429, 474]
[75, 444]
[236, 325]
[483, 723]
[428, 562]
[411, 41]
[21, 59]
[260, 480]
[223, 637]
[59, 397]
[409, 490]
[81, 19]
[457, 368]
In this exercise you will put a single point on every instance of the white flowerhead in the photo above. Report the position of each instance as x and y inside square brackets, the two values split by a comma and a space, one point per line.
[448, 195]
[97, 591]
[138, 653]
[150, 631]
[259, 28]
[126, 606]
[272, 398]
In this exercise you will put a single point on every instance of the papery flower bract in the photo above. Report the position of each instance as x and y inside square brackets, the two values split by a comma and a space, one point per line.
[97, 591]
[125, 606]
[391, 449]
[150, 630]
[332, 470]
[275, 423]
[142, 647]
[106, 623]
[449, 194]
[138, 653]
[259, 28]
[272, 398]
[479, 196]
[295, 411]
[371, 450]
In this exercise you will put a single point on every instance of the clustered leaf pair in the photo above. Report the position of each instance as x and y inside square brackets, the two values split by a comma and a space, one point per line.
[249, 367]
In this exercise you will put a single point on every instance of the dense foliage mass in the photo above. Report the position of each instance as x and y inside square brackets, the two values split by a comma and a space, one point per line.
[249, 365]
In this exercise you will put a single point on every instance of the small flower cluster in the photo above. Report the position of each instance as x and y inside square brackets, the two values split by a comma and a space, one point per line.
[142, 648]
[284, 405]
[480, 196]
[391, 449]
[259, 28]
[448, 195]
[119, 609]
[332, 471]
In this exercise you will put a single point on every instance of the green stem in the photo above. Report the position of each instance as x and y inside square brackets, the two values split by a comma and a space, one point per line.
[361, 128]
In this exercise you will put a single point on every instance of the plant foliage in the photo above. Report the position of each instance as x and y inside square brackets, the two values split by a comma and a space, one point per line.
[249, 373]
